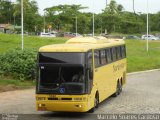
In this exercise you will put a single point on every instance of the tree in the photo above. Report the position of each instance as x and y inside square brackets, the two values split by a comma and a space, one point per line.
[111, 16]
[114, 8]
[6, 11]
[31, 16]
[63, 16]
[154, 22]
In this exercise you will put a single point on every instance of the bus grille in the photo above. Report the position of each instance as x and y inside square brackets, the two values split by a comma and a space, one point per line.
[59, 98]
[66, 98]
[52, 98]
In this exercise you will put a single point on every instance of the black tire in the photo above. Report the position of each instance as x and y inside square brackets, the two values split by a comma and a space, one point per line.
[120, 86]
[118, 89]
[96, 103]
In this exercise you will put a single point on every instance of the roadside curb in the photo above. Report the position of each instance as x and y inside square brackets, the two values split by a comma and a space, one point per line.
[146, 71]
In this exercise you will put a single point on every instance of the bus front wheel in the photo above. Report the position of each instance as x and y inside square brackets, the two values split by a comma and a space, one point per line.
[96, 103]
[118, 89]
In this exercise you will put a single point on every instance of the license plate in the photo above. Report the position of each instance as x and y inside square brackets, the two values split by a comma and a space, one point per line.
[52, 96]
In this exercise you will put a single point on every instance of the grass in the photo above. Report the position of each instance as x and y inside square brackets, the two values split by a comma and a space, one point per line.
[12, 84]
[16, 82]
[8, 42]
[137, 57]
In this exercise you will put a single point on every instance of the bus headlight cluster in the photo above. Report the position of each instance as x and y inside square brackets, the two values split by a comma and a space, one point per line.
[79, 106]
[39, 105]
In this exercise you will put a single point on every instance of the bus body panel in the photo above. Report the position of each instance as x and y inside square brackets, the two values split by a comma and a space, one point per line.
[107, 77]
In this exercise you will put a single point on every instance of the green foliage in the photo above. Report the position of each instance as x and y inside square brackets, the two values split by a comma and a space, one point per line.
[31, 16]
[6, 11]
[154, 22]
[19, 63]
[113, 18]
[65, 19]
[16, 82]
[114, 8]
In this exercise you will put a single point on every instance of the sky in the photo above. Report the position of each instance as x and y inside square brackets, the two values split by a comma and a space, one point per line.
[98, 5]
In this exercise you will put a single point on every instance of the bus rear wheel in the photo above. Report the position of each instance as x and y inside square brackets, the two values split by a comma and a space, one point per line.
[120, 86]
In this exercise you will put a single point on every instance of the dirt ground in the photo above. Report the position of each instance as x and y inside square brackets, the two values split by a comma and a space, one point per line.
[4, 88]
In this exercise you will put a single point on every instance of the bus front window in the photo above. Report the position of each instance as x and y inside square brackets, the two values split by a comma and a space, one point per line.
[55, 77]
[52, 79]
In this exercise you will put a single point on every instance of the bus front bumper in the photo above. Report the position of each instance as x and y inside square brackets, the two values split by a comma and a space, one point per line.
[60, 106]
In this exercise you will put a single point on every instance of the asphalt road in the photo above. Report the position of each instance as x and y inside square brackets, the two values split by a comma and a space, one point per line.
[141, 95]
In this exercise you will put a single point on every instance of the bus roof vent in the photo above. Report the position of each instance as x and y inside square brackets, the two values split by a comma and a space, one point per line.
[88, 40]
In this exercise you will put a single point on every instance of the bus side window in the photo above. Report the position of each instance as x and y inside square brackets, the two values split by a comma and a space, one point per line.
[96, 58]
[111, 53]
[118, 52]
[103, 57]
[108, 56]
[114, 54]
[121, 54]
[123, 49]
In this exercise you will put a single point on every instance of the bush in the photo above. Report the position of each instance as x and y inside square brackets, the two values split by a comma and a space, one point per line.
[18, 63]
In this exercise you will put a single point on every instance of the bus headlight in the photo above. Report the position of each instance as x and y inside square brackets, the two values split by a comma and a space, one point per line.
[79, 106]
[39, 105]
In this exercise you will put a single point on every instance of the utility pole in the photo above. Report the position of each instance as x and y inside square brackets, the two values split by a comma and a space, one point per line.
[44, 30]
[133, 7]
[10, 11]
[93, 24]
[106, 3]
[76, 26]
[147, 46]
[22, 34]
[93, 19]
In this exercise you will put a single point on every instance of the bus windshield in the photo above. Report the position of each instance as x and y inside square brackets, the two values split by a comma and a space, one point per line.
[61, 78]
[73, 58]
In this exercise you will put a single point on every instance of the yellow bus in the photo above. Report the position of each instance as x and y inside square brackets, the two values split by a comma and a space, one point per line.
[78, 75]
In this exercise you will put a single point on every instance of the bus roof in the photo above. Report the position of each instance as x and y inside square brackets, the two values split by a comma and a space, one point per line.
[82, 44]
